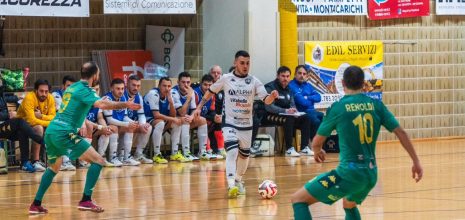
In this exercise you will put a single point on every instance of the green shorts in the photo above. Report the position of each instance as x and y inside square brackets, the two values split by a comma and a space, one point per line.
[62, 143]
[330, 187]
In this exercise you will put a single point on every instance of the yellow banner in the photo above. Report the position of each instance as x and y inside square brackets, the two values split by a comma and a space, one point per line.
[328, 60]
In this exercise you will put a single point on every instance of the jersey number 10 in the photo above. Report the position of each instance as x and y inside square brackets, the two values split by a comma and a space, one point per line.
[362, 122]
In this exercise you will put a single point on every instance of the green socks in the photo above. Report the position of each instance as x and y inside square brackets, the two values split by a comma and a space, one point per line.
[46, 181]
[352, 214]
[91, 179]
[301, 211]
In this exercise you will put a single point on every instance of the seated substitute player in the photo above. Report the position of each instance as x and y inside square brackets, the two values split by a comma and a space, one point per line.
[126, 126]
[216, 137]
[357, 119]
[184, 102]
[161, 114]
[240, 89]
[107, 134]
[208, 111]
[144, 130]
[61, 135]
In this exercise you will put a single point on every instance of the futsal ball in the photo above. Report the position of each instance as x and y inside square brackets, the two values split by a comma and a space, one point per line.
[267, 189]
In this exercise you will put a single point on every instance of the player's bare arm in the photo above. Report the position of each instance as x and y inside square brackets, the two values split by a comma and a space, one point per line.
[202, 102]
[317, 146]
[270, 98]
[417, 170]
[110, 105]
[185, 107]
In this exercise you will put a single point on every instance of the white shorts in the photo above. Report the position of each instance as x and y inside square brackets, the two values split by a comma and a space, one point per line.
[234, 138]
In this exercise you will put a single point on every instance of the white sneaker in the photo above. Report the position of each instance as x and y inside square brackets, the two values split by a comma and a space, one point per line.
[38, 166]
[219, 156]
[240, 185]
[108, 164]
[190, 156]
[83, 164]
[143, 160]
[292, 153]
[116, 162]
[206, 156]
[130, 162]
[67, 166]
[307, 151]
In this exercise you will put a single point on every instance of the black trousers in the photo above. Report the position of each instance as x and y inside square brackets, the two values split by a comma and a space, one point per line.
[17, 129]
[212, 127]
[290, 124]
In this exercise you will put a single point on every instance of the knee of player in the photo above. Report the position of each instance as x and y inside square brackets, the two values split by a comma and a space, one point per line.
[39, 129]
[244, 153]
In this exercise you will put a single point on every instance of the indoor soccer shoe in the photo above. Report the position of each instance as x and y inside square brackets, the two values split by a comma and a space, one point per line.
[130, 162]
[307, 151]
[27, 167]
[108, 164]
[116, 162]
[206, 156]
[159, 159]
[37, 209]
[190, 156]
[292, 153]
[179, 157]
[241, 187]
[232, 192]
[89, 206]
[143, 160]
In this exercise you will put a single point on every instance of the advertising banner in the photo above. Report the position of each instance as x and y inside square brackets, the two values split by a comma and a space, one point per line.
[149, 6]
[327, 61]
[167, 46]
[387, 9]
[52, 8]
[121, 64]
[450, 7]
[331, 7]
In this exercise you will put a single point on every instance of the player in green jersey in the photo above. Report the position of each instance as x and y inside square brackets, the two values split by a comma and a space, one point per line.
[357, 119]
[62, 137]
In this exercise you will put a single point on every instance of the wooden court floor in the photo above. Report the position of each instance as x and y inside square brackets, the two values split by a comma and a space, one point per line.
[198, 190]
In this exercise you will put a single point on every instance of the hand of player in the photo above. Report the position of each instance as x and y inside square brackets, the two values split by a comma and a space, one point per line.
[177, 121]
[133, 125]
[83, 131]
[291, 110]
[190, 92]
[417, 171]
[133, 106]
[188, 118]
[38, 114]
[218, 119]
[196, 113]
[274, 94]
[12, 114]
[320, 156]
[106, 130]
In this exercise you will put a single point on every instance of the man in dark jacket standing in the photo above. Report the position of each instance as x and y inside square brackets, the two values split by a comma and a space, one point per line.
[283, 112]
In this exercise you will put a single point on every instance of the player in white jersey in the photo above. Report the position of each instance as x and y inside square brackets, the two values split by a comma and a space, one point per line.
[240, 90]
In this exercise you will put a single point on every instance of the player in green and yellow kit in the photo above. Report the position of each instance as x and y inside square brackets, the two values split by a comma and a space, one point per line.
[63, 139]
[357, 119]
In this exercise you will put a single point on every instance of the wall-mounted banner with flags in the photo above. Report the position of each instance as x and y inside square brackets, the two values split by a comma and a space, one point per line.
[450, 7]
[51, 8]
[149, 7]
[387, 9]
[331, 7]
[327, 60]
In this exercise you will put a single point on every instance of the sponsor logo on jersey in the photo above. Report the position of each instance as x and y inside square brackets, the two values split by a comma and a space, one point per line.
[240, 92]
[248, 81]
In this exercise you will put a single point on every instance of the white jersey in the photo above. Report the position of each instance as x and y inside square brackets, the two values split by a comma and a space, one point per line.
[179, 99]
[239, 95]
